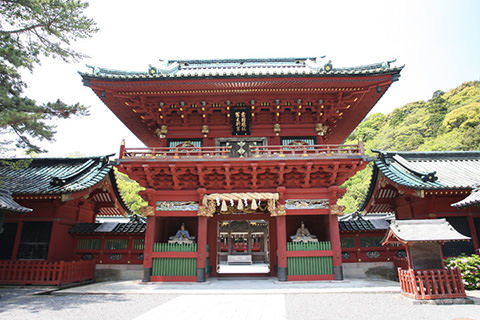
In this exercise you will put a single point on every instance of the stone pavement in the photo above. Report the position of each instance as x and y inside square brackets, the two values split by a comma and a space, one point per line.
[235, 298]
[235, 286]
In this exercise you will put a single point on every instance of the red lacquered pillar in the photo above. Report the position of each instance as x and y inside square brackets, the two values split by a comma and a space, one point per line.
[148, 250]
[282, 248]
[202, 249]
[335, 235]
[336, 247]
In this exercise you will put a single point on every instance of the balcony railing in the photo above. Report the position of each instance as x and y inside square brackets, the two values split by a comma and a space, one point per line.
[223, 152]
[306, 150]
[176, 153]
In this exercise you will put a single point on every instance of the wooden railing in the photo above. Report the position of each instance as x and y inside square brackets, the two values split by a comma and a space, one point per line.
[326, 150]
[176, 153]
[215, 153]
[431, 283]
[45, 272]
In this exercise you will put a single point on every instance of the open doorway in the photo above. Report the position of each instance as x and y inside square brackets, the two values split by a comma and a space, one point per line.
[243, 247]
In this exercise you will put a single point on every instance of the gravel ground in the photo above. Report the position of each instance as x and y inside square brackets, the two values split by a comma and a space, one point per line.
[24, 304]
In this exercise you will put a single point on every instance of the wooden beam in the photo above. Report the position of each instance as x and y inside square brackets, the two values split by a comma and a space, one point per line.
[201, 175]
[148, 175]
[173, 172]
[308, 171]
[254, 175]
[281, 173]
[228, 180]
[334, 175]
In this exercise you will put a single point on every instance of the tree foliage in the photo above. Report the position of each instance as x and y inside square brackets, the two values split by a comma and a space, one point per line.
[448, 121]
[129, 190]
[30, 29]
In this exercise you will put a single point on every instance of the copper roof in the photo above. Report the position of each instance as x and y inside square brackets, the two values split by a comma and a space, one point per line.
[319, 66]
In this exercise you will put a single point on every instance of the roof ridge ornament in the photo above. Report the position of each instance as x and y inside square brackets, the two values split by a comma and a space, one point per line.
[164, 68]
[320, 64]
[386, 64]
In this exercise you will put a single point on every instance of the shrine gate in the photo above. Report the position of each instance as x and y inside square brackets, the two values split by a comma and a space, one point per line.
[243, 162]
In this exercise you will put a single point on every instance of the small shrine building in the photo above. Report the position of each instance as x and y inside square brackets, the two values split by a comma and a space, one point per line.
[243, 160]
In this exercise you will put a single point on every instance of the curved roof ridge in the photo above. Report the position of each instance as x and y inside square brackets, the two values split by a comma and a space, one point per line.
[185, 68]
[54, 175]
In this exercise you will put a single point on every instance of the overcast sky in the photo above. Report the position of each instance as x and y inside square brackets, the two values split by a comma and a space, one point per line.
[438, 41]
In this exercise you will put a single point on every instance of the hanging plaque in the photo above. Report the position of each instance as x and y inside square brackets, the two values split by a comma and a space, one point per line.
[240, 121]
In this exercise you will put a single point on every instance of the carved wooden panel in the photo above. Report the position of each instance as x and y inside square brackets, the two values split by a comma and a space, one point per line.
[241, 146]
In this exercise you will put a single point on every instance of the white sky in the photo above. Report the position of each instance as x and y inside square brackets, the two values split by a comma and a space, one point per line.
[438, 41]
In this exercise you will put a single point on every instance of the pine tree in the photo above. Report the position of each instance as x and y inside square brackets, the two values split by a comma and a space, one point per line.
[30, 29]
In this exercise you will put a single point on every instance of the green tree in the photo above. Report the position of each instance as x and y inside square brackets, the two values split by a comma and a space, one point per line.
[129, 190]
[29, 30]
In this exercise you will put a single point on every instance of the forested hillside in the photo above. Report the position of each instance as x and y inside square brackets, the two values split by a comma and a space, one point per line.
[448, 121]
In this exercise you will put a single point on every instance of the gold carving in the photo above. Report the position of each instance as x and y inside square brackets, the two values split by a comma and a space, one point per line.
[321, 129]
[208, 210]
[280, 211]
[336, 209]
[147, 211]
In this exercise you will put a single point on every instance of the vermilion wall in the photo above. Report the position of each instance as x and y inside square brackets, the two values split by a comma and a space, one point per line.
[63, 216]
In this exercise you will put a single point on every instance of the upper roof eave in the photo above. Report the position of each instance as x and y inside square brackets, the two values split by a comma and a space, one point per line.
[243, 68]
[146, 77]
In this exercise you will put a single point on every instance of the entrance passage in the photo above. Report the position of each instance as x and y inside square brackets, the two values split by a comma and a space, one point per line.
[243, 247]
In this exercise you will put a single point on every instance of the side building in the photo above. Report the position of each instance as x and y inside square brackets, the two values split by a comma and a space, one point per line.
[429, 185]
[52, 195]
[244, 160]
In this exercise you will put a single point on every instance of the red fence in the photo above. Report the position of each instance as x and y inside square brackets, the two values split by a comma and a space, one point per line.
[431, 283]
[45, 272]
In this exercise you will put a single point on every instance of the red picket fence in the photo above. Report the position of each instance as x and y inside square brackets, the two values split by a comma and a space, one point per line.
[45, 272]
[429, 284]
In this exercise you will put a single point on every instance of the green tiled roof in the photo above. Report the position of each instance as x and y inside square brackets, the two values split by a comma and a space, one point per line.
[135, 225]
[434, 170]
[356, 222]
[243, 68]
[53, 175]
[7, 204]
